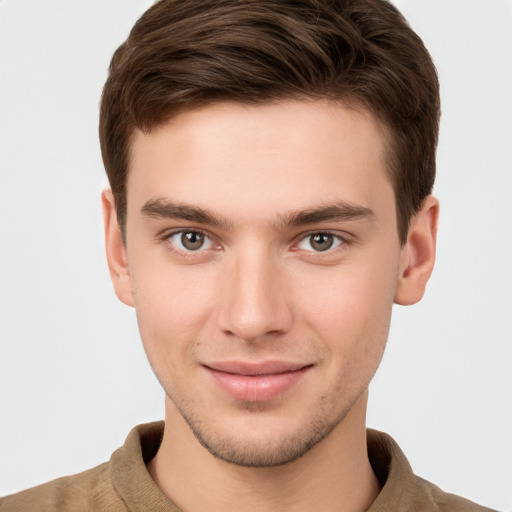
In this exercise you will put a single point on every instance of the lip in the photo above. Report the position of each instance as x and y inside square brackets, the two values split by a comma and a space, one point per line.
[256, 382]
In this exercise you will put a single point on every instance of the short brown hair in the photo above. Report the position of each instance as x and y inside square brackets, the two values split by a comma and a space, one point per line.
[184, 53]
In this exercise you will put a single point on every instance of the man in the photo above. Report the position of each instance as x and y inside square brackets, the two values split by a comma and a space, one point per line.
[271, 167]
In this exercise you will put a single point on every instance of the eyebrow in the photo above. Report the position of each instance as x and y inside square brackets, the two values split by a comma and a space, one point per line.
[159, 208]
[340, 211]
[165, 209]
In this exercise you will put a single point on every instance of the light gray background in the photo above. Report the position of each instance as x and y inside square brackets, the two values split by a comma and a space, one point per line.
[73, 376]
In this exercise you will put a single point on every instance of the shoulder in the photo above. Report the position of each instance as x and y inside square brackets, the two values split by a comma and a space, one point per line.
[114, 486]
[90, 490]
[440, 501]
[401, 489]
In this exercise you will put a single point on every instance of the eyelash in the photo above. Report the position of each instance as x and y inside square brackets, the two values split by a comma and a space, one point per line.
[187, 253]
[342, 239]
[342, 242]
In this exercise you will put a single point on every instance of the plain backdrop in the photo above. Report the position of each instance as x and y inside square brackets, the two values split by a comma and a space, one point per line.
[73, 376]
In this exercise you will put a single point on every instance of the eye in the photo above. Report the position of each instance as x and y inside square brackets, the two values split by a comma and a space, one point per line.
[189, 241]
[320, 242]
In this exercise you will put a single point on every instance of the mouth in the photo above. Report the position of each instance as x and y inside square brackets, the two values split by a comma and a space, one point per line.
[256, 382]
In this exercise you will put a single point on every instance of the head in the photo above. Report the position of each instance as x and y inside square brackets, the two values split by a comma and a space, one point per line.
[182, 55]
[270, 165]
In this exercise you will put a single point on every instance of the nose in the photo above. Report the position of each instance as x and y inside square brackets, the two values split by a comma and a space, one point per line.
[254, 303]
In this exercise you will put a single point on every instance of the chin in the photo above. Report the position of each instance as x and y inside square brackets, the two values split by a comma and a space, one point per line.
[260, 444]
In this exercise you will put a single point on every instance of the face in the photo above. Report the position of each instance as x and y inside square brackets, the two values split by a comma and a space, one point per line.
[262, 260]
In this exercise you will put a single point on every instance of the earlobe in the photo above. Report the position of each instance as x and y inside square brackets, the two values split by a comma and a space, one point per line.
[418, 254]
[116, 250]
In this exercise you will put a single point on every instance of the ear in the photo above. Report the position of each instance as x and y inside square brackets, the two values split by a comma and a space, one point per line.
[116, 250]
[418, 254]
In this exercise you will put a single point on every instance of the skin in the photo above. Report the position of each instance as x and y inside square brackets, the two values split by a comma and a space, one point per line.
[259, 290]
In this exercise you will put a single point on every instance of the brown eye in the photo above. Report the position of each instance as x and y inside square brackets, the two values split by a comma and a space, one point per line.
[192, 240]
[320, 242]
[187, 241]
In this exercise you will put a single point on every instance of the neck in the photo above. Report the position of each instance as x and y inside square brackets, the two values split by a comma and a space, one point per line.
[333, 475]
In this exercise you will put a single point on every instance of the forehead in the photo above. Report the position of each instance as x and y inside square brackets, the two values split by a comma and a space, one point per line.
[289, 154]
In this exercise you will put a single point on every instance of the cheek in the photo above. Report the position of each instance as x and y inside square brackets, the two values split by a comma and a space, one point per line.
[172, 305]
[352, 324]
[350, 308]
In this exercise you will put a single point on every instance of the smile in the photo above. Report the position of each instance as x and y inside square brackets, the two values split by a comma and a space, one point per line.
[256, 382]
